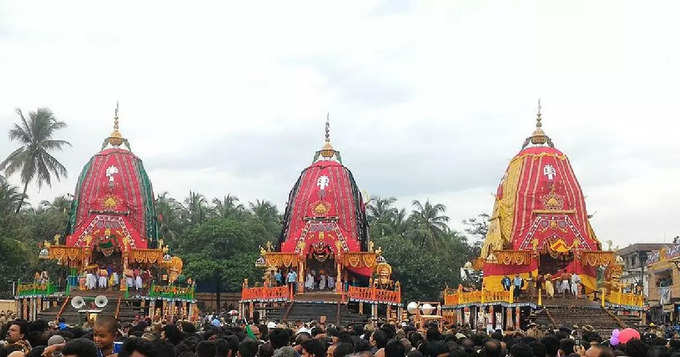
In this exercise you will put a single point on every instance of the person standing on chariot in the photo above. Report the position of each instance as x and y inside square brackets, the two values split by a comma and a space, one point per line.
[291, 278]
[331, 282]
[91, 280]
[146, 277]
[549, 287]
[518, 283]
[540, 282]
[564, 284]
[575, 284]
[103, 278]
[322, 280]
[44, 277]
[114, 277]
[278, 278]
[309, 281]
[506, 283]
[138, 280]
[129, 278]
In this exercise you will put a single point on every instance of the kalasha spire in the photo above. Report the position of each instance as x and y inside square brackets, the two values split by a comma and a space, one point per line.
[327, 151]
[538, 137]
[116, 139]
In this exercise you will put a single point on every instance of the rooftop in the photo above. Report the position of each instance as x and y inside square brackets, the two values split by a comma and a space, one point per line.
[641, 247]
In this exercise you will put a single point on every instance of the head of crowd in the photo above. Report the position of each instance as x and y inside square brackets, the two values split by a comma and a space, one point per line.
[212, 336]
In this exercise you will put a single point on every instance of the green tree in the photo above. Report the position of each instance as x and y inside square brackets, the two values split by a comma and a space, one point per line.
[429, 222]
[196, 208]
[380, 214]
[10, 198]
[223, 252]
[33, 159]
[409, 261]
[477, 227]
[228, 207]
[268, 215]
[169, 213]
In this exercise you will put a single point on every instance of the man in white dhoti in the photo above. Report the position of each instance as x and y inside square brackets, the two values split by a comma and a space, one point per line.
[91, 281]
[322, 281]
[575, 284]
[103, 278]
[331, 283]
[138, 282]
[309, 281]
[129, 281]
[115, 278]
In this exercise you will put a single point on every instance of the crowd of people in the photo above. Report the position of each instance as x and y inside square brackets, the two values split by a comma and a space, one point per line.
[213, 337]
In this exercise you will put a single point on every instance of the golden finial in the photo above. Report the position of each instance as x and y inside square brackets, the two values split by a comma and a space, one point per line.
[116, 138]
[327, 150]
[538, 137]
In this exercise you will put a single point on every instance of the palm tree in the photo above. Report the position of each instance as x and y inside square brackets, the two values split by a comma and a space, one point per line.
[430, 221]
[228, 207]
[381, 214]
[33, 158]
[197, 207]
[168, 210]
[400, 222]
[10, 197]
[264, 210]
[267, 213]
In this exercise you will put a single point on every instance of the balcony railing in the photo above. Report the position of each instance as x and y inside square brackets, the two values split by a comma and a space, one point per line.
[459, 297]
[35, 289]
[264, 293]
[374, 295]
[625, 299]
[171, 292]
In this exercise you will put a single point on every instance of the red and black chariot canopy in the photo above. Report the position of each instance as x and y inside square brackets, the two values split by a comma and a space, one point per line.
[325, 209]
[113, 205]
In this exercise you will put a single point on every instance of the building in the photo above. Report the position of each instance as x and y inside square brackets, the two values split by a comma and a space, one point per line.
[663, 272]
[635, 261]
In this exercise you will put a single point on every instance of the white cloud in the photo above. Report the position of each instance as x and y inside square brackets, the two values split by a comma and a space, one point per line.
[427, 99]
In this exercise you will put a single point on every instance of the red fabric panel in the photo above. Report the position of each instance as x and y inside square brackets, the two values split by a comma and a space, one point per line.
[547, 171]
[337, 194]
[97, 195]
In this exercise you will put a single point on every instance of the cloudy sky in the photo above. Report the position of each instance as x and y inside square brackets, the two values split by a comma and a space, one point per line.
[428, 99]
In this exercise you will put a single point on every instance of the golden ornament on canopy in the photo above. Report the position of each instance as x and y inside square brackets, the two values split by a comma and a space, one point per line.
[116, 138]
[327, 150]
[538, 137]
